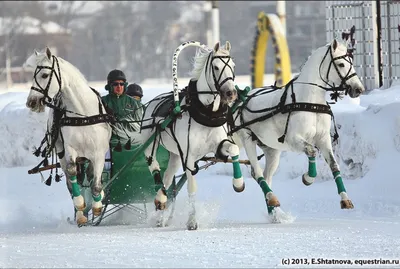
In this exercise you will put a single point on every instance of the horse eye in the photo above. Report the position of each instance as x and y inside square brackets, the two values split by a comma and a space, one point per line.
[45, 75]
[341, 65]
[216, 68]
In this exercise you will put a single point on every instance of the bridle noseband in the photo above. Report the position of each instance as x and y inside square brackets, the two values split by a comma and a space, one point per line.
[45, 91]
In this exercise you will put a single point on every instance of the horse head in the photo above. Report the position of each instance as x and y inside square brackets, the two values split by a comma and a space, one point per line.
[222, 72]
[343, 72]
[46, 80]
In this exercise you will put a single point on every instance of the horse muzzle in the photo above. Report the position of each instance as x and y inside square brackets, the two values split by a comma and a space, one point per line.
[35, 104]
[355, 92]
[228, 96]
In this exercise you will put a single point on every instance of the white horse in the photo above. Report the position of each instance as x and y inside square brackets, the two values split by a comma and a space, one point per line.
[200, 128]
[297, 118]
[77, 126]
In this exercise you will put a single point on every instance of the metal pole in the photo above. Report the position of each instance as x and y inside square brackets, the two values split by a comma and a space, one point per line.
[281, 11]
[215, 21]
[207, 19]
[379, 41]
[8, 63]
[376, 40]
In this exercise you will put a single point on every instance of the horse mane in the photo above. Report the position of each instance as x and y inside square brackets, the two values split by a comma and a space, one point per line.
[200, 60]
[33, 61]
[73, 68]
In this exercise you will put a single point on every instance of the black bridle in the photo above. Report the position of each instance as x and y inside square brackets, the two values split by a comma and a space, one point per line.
[343, 86]
[45, 91]
[217, 83]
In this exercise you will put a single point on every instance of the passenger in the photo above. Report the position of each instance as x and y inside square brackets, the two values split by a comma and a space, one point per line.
[135, 91]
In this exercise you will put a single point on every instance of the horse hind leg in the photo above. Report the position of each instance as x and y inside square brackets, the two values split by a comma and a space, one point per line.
[77, 198]
[227, 148]
[326, 149]
[94, 173]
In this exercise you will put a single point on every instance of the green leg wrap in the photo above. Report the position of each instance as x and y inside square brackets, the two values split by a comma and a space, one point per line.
[339, 182]
[76, 191]
[312, 168]
[266, 189]
[264, 186]
[270, 208]
[237, 172]
[97, 198]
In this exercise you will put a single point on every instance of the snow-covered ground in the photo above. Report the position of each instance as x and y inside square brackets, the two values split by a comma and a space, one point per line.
[234, 229]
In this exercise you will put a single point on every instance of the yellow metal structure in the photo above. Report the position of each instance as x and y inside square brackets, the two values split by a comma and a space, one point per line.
[270, 25]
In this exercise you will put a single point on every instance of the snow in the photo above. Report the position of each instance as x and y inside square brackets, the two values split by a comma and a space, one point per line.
[234, 229]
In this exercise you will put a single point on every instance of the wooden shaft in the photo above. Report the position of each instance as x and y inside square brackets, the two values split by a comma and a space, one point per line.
[213, 159]
[48, 167]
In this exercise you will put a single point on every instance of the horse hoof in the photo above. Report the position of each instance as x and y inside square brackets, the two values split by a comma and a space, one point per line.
[159, 205]
[192, 226]
[97, 211]
[273, 202]
[160, 224]
[346, 204]
[307, 180]
[239, 189]
[82, 220]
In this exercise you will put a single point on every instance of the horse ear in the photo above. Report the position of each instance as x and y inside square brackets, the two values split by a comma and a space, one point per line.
[36, 52]
[334, 44]
[227, 45]
[48, 53]
[216, 47]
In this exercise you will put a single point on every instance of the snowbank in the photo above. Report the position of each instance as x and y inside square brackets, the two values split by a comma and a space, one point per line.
[369, 129]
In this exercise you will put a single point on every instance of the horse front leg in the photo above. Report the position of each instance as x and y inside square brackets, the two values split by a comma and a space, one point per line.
[326, 148]
[251, 151]
[192, 189]
[309, 177]
[77, 198]
[228, 148]
[150, 154]
[94, 172]
[161, 197]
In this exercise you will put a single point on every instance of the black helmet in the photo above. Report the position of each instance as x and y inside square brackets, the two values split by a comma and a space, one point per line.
[134, 90]
[116, 75]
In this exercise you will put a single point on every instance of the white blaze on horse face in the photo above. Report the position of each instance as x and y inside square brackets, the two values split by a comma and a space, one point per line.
[346, 69]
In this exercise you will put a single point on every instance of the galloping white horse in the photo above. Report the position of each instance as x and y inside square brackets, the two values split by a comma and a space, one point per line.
[297, 118]
[77, 126]
[200, 129]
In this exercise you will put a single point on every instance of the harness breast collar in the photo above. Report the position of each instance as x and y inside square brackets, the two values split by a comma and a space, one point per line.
[203, 114]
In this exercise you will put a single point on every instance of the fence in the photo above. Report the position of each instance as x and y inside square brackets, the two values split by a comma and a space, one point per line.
[377, 35]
